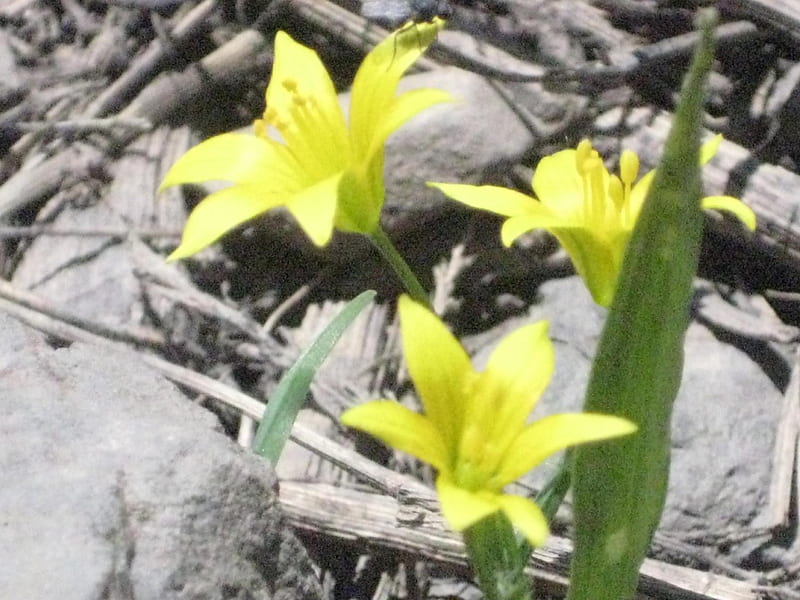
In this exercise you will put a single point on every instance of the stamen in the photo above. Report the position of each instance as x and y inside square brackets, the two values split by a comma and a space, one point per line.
[304, 129]
[476, 457]
[276, 119]
[260, 128]
[598, 192]
[628, 167]
[617, 192]
[590, 168]
[583, 159]
[300, 101]
[290, 85]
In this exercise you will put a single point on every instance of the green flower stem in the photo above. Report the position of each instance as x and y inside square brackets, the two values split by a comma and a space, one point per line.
[549, 499]
[400, 266]
[499, 559]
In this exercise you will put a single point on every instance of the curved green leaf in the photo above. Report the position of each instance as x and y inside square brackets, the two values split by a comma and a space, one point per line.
[288, 399]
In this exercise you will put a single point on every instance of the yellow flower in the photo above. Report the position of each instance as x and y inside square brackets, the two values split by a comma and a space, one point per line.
[474, 429]
[326, 174]
[589, 210]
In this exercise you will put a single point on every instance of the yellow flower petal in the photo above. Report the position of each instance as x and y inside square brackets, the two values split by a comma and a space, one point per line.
[547, 436]
[542, 218]
[558, 185]
[314, 208]
[709, 149]
[403, 108]
[400, 428]
[376, 81]
[732, 205]
[499, 200]
[521, 367]
[219, 213]
[639, 193]
[462, 508]
[526, 516]
[230, 157]
[596, 259]
[438, 365]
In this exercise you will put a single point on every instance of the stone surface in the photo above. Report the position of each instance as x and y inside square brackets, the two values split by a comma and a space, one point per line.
[474, 139]
[115, 486]
[724, 422]
[95, 276]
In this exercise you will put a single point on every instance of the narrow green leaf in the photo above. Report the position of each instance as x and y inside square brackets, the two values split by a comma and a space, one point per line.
[620, 486]
[288, 399]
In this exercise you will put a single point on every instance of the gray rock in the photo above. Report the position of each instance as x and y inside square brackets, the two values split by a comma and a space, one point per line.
[474, 139]
[116, 487]
[724, 422]
[95, 276]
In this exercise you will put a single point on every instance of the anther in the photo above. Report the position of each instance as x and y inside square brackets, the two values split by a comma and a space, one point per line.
[270, 114]
[260, 128]
[628, 167]
[290, 85]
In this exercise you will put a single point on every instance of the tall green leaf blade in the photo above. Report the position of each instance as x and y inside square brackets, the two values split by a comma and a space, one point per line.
[289, 396]
[620, 486]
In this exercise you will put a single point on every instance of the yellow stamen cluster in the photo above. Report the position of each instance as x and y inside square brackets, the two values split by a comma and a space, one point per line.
[300, 111]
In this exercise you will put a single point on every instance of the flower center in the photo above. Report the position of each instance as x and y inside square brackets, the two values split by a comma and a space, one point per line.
[298, 113]
[481, 447]
[308, 131]
[477, 459]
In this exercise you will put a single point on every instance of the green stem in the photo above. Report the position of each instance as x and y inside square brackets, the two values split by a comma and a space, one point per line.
[498, 559]
[400, 266]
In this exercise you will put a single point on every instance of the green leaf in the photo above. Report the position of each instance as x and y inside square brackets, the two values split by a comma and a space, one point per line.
[288, 399]
[620, 485]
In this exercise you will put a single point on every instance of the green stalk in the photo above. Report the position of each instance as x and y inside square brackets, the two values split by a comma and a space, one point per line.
[498, 559]
[619, 486]
[399, 266]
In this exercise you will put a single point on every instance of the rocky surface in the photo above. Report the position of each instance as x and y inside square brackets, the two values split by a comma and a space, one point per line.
[120, 488]
[115, 486]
